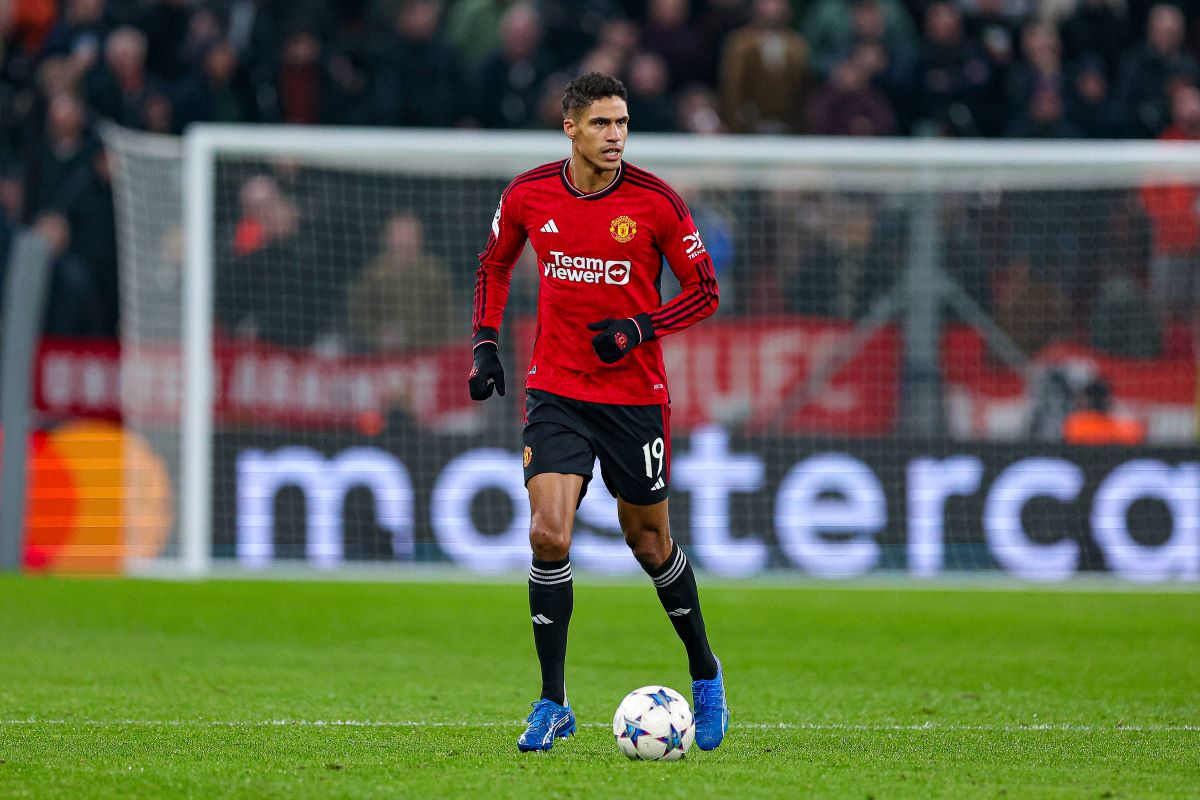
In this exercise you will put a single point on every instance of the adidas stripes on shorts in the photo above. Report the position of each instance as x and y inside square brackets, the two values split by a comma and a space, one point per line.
[633, 444]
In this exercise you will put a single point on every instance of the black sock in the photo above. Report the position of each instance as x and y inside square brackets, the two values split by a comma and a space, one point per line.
[676, 584]
[551, 598]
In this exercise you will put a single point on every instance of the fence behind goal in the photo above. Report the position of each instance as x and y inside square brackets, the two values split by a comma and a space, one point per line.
[929, 356]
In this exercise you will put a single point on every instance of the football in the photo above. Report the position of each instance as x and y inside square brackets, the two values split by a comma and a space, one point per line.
[654, 723]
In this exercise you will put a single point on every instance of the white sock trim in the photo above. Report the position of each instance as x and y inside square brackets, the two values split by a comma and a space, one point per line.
[550, 577]
[673, 572]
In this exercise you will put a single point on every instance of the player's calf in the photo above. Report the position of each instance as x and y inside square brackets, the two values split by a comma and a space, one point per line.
[676, 586]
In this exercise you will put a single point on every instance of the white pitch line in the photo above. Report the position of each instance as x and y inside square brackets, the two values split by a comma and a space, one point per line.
[762, 726]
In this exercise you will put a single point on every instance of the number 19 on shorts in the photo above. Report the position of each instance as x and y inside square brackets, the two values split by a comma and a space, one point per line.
[654, 452]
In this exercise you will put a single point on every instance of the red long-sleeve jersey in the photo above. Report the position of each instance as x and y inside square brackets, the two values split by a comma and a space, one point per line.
[599, 255]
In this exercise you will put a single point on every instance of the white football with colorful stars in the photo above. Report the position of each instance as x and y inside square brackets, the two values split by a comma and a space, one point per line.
[654, 723]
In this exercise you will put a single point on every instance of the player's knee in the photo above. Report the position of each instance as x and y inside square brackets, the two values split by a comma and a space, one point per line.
[650, 547]
[549, 543]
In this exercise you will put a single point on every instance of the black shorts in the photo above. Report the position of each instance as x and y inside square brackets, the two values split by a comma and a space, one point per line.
[633, 444]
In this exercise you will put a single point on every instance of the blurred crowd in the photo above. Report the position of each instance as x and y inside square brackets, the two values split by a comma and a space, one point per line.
[1041, 68]
[977, 68]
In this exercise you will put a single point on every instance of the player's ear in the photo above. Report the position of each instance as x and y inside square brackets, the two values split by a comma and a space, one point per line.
[569, 126]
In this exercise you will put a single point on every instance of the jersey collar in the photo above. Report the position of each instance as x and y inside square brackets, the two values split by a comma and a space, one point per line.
[607, 190]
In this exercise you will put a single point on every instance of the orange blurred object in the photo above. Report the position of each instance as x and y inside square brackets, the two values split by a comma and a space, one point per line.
[1092, 428]
[98, 495]
[371, 423]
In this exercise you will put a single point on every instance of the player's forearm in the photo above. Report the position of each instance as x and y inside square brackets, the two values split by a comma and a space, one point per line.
[698, 300]
[683, 312]
[491, 295]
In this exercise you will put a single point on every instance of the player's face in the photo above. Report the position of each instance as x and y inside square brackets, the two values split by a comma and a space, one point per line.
[598, 132]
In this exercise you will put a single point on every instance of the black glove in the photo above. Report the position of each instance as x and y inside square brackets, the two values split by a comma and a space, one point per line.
[618, 336]
[487, 370]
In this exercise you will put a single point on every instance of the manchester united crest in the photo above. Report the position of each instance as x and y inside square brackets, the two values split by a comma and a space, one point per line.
[528, 455]
[623, 229]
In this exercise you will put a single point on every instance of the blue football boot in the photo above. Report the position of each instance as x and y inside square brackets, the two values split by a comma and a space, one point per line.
[712, 713]
[548, 721]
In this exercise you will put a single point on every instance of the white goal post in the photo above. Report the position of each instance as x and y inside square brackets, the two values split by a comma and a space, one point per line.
[904, 183]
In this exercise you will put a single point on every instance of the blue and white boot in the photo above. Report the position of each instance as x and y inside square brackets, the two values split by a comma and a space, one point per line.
[548, 721]
[712, 713]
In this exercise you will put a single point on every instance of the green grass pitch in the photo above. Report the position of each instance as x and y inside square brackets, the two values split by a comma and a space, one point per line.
[326, 689]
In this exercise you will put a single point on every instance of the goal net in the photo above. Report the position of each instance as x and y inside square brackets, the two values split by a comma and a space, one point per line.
[929, 355]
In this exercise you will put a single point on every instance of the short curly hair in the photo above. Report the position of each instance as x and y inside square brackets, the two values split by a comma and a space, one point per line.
[588, 88]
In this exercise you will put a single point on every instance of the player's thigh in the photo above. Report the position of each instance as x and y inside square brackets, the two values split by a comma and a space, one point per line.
[636, 518]
[556, 437]
[553, 498]
[633, 444]
[558, 460]
[558, 465]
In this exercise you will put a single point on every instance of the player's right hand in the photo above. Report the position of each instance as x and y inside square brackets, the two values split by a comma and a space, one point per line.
[486, 373]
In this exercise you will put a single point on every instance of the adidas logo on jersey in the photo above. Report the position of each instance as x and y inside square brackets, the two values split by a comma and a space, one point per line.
[542, 619]
[658, 484]
[679, 612]
[550, 227]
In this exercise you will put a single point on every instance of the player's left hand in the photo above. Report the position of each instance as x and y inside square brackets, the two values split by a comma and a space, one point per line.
[616, 338]
[487, 372]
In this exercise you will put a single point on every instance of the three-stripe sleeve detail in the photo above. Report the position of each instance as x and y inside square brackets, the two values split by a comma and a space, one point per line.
[692, 302]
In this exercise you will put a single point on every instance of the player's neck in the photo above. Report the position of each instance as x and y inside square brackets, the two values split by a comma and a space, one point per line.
[587, 178]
